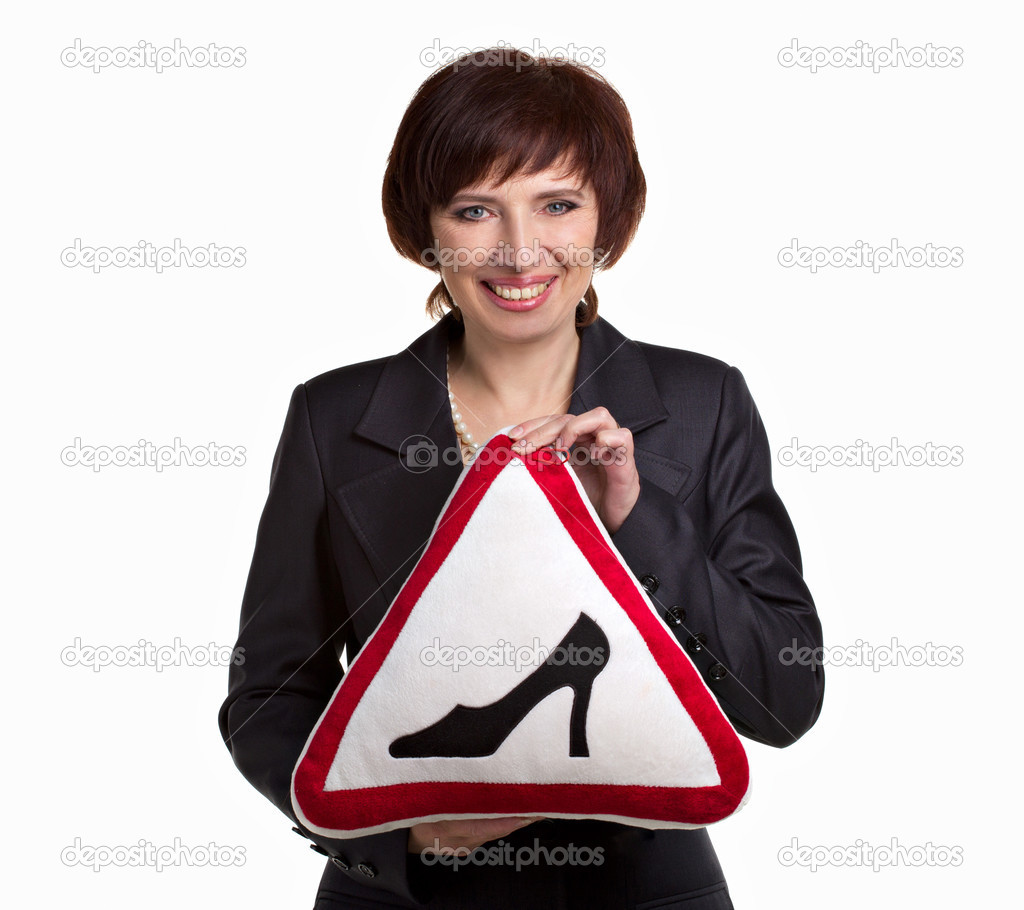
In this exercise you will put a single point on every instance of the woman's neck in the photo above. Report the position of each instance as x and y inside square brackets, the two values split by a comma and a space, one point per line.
[516, 378]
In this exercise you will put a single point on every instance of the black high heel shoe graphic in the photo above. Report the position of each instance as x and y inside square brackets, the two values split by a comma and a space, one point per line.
[476, 732]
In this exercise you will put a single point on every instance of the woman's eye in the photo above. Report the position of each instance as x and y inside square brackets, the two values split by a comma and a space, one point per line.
[479, 212]
[560, 208]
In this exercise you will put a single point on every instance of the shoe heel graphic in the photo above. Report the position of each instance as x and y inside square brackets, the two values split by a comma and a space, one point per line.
[477, 732]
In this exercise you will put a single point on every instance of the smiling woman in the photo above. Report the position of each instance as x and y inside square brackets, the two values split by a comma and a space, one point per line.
[516, 179]
[516, 182]
[500, 114]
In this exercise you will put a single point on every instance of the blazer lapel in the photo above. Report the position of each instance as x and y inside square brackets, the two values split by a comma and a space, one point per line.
[613, 372]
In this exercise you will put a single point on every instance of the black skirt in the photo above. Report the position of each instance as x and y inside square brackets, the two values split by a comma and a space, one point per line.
[557, 864]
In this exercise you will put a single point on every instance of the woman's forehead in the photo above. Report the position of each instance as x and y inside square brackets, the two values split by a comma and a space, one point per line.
[556, 176]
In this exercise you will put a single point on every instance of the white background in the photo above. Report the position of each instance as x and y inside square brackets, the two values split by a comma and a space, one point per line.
[284, 157]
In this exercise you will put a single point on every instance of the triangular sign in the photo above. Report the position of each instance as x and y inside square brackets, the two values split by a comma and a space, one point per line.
[521, 670]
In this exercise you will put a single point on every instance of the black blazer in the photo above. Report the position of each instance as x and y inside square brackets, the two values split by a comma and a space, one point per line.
[345, 522]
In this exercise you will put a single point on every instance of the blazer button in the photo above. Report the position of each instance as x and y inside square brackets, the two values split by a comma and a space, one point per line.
[341, 862]
[675, 616]
[367, 870]
[650, 583]
[717, 671]
[696, 642]
[316, 848]
[299, 831]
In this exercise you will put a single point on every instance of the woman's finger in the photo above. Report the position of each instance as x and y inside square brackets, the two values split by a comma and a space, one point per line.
[538, 431]
[562, 429]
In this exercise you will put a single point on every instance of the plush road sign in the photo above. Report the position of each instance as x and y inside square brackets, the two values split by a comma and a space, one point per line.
[521, 670]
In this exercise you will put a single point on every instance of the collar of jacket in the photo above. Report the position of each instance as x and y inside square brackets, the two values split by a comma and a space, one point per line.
[411, 396]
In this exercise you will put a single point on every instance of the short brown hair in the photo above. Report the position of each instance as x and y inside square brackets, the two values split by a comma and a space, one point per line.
[503, 112]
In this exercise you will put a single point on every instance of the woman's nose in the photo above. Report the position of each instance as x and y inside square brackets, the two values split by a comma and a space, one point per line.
[522, 244]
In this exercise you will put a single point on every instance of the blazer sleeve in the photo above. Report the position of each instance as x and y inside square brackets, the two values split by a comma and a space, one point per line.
[732, 591]
[292, 630]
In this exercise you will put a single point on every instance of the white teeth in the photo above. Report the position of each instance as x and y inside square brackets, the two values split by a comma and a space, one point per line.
[519, 293]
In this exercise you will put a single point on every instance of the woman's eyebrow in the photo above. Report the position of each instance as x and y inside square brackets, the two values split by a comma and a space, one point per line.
[494, 200]
[562, 191]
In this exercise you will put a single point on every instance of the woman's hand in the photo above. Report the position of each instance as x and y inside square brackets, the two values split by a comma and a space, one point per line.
[462, 836]
[609, 476]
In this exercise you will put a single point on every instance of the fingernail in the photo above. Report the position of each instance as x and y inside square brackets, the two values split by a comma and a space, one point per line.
[515, 431]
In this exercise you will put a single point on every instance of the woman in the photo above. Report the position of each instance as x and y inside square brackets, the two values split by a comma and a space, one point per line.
[515, 178]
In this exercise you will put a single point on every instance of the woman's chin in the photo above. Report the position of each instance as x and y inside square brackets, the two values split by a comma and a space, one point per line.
[524, 324]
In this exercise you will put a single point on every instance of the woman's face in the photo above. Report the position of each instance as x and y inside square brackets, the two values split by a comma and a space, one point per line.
[517, 257]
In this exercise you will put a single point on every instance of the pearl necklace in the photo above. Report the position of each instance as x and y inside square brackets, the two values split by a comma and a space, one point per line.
[469, 445]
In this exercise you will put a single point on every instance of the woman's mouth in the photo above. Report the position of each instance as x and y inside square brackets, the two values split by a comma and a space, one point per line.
[518, 298]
